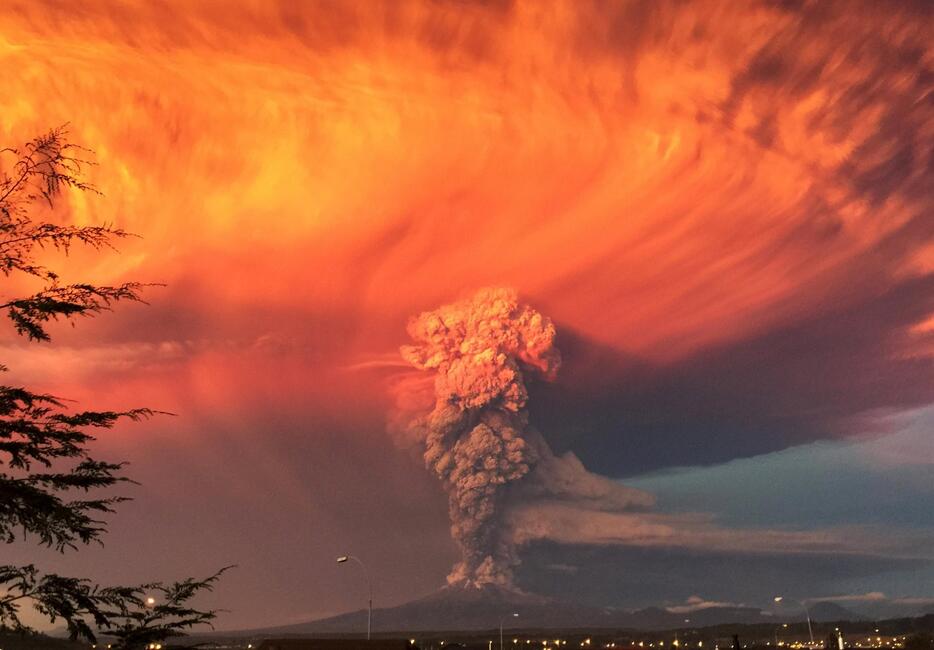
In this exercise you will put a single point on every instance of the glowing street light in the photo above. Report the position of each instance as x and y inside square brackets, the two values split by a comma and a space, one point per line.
[515, 615]
[807, 614]
[369, 607]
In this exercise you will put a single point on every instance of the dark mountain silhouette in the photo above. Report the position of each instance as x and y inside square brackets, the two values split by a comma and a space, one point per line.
[826, 612]
[459, 608]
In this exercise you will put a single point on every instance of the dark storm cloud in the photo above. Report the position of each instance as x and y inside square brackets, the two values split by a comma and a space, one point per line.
[821, 377]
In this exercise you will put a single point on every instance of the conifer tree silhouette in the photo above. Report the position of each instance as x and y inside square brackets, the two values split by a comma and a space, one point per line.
[50, 484]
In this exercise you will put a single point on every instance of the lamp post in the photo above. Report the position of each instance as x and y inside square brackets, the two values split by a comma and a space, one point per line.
[516, 615]
[776, 631]
[807, 614]
[369, 586]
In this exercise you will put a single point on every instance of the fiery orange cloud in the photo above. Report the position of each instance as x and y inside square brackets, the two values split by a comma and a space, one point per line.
[664, 181]
[638, 176]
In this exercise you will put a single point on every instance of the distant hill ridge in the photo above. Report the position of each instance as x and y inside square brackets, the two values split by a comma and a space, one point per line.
[464, 608]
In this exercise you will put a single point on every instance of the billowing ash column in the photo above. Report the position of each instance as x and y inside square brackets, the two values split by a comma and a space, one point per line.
[476, 437]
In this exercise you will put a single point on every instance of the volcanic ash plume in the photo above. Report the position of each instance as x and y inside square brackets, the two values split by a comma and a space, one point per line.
[476, 436]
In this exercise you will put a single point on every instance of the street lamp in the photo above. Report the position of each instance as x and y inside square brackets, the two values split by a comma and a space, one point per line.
[807, 614]
[516, 615]
[369, 586]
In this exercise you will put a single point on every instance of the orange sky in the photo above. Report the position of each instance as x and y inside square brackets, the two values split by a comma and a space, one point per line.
[622, 181]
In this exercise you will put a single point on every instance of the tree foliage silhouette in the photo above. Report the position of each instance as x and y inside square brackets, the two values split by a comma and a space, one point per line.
[49, 482]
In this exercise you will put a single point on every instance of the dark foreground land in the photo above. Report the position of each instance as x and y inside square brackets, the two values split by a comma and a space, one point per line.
[15, 641]
[894, 634]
